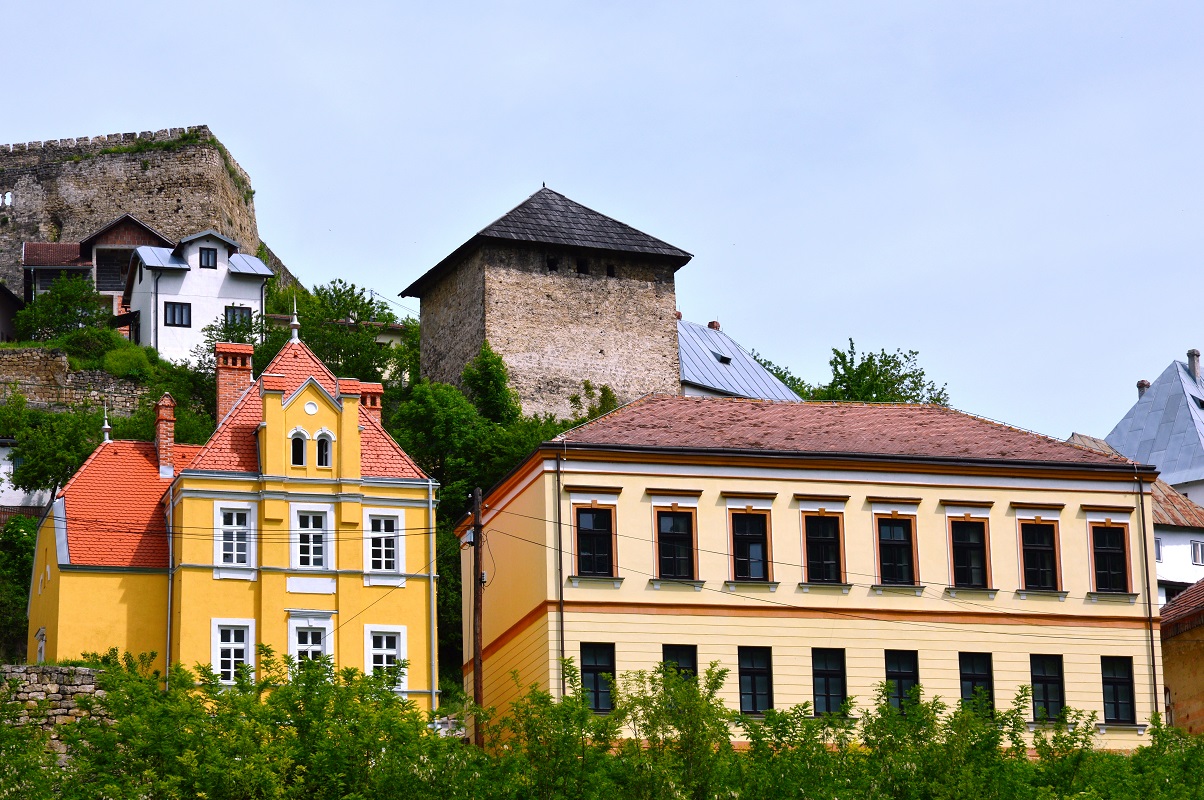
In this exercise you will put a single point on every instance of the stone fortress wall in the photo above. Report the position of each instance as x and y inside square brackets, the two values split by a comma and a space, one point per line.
[177, 180]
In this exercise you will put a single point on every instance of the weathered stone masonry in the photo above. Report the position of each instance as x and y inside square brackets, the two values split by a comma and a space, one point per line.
[49, 696]
[47, 381]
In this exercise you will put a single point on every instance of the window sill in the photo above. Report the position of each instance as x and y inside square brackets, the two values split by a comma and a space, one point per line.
[1103, 727]
[600, 580]
[737, 586]
[1024, 594]
[234, 573]
[384, 579]
[823, 586]
[899, 588]
[655, 583]
[973, 591]
[1112, 597]
[1052, 724]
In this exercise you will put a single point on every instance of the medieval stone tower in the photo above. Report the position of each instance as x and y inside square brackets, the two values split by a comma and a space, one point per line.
[564, 294]
[178, 181]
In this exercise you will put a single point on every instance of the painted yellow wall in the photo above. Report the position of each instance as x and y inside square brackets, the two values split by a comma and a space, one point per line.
[638, 617]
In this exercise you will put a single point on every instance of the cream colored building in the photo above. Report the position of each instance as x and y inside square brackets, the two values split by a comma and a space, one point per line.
[816, 550]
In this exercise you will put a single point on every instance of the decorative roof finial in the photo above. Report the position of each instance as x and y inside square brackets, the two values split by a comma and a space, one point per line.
[106, 429]
[295, 324]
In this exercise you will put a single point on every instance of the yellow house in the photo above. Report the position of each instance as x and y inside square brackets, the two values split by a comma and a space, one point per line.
[300, 524]
[816, 550]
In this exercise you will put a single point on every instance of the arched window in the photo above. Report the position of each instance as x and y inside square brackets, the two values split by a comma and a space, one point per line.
[298, 450]
[323, 451]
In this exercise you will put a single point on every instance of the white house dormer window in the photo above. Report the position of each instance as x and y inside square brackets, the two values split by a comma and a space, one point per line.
[209, 258]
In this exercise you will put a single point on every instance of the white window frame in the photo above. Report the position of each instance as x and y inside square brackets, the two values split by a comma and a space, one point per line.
[1157, 548]
[293, 434]
[403, 684]
[321, 620]
[216, 624]
[329, 541]
[244, 572]
[329, 440]
[393, 577]
[1197, 552]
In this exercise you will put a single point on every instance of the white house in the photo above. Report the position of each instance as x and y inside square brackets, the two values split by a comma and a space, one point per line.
[175, 292]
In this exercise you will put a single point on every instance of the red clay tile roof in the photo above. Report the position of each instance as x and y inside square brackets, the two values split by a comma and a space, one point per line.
[380, 456]
[124, 474]
[1184, 612]
[54, 254]
[913, 431]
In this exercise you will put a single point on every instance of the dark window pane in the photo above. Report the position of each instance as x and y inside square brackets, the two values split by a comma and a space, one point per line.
[828, 677]
[977, 675]
[298, 451]
[1108, 545]
[823, 549]
[750, 538]
[675, 544]
[595, 542]
[756, 679]
[597, 671]
[1048, 694]
[969, 553]
[903, 673]
[1118, 689]
[1040, 560]
[894, 551]
[682, 656]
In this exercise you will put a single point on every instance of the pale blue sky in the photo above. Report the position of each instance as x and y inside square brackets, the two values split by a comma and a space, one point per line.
[1013, 189]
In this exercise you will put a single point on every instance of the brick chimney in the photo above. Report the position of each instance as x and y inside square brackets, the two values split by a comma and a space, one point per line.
[233, 374]
[1142, 385]
[1193, 363]
[370, 397]
[713, 324]
[165, 434]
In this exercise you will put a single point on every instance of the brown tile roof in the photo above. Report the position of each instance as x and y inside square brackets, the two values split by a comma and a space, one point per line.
[1184, 612]
[912, 431]
[1173, 508]
[54, 254]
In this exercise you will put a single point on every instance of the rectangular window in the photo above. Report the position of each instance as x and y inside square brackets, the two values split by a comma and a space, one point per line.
[238, 315]
[895, 551]
[675, 544]
[235, 541]
[309, 644]
[597, 673]
[177, 315]
[383, 544]
[828, 678]
[903, 674]
[232, 644]
[1048, 694]
[1108, 551]
[750, 545]
[1118, 689]
[823, 549]
[1197, 550]
[682, 656]
[969, 553]
[1040, 556]
[595, 541]
[383, 650]
[209, 257]
[977, 676]
[756, 679]
[311, 547]
[1158, 551]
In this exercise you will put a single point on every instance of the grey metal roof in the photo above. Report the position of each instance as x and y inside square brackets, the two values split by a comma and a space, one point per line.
[159, 258]
[1165, 427]
[548, 217]
[713, 360]
[242, 264]
[207, 232]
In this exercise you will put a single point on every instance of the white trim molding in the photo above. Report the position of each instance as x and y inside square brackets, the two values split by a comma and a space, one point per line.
[216, 624]
[395, 576]
[311, 618]
[402, 648]
[329, 545]
[243, 572]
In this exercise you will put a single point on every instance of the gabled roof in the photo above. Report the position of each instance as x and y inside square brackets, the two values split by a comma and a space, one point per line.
[548, 217]
[1184, 612]
[1165, 427]
[242, 264]
[160, 258]
[891, 431]
[86, 243]
[192, 237]
[712, 360]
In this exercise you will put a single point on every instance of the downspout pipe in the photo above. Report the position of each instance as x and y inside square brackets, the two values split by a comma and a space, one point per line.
[1149, 607]
[560, 576]
[171, 572]
[155, 316]
[430, 577]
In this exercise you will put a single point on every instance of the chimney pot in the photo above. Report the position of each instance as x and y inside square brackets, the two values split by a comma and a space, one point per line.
[1142, 385]
[1193, 363]
[165, 434]
[233, 374]
[713, 324]
[370, 397]
[677, 314]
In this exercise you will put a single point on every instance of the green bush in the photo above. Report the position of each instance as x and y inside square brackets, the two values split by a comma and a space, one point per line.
[130, 363]
[70, 303]
[89, 345]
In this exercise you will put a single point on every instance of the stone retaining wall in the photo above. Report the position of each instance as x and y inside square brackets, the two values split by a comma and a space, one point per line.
[47, 381]
[50, 696]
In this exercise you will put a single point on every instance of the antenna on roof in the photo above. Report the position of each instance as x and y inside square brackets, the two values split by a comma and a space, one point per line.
[106, 429]
[544, 184]
[295, 324]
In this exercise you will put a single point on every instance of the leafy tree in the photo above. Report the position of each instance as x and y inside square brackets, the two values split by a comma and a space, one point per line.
[26, 765]
[487, 386]
[880, 377]
[70, 303]
[17, 542]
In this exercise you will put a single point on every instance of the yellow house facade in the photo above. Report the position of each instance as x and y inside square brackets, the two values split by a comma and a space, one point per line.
[817, 550]
[300, 525]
